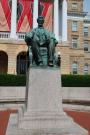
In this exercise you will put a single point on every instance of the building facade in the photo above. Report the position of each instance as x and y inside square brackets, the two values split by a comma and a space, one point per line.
[64, 17]
[79, 38]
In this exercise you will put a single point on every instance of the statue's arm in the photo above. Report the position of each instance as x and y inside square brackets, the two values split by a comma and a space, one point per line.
[52, 36]
[29, 37]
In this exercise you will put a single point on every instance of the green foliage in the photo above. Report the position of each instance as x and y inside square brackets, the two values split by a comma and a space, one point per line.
[76, 80]
[67, 80]
[12, 80]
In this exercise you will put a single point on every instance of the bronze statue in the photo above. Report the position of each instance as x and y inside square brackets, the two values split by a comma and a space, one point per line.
[41, 37]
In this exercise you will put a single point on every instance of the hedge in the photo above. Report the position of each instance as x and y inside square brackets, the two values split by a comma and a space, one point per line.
[75, 80]
[67, 80]
[12, 80]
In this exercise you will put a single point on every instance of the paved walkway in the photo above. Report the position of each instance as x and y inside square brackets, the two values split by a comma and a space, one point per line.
[4, 117]
[82, 118]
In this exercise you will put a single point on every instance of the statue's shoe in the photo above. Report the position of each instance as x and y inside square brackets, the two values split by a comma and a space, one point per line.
[50, 64]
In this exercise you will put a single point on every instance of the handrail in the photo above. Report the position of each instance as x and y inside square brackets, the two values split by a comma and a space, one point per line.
[6, 35]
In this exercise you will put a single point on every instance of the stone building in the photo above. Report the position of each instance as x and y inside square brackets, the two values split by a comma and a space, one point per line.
[64, 17]
[78, 38]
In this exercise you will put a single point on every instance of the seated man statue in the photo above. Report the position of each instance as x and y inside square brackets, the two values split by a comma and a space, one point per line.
[41, 37]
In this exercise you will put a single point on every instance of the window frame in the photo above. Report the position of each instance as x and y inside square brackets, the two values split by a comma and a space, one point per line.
[74, 26]
[74, 43]
[74, 6]
[74, 68]
[85, 31]
[86, 68]
[86, 46]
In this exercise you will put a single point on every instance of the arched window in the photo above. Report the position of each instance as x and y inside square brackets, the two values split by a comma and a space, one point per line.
[3, 62]
[22, 63]
[86, 68]
[74, 68]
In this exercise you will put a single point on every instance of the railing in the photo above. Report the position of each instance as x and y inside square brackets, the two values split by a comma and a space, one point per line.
[21, 36]
[6, 35]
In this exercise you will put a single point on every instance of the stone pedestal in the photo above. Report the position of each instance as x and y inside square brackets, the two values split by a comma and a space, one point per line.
[43, 113]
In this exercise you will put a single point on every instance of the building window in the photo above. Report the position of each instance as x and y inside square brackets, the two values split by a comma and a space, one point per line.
[74, 43]
[86, 46]
[74, 6]
[86, 67]
[3, 62]
[85, 30]
[74, 26]
[22, 63]
[74, 68]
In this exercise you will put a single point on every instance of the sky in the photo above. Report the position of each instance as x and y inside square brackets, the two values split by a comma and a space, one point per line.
[87, 6]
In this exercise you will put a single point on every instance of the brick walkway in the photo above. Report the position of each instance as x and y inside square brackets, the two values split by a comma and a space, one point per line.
[4, 117]
[82, 118]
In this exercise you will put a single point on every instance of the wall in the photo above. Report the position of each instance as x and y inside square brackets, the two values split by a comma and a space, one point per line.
[15, 96]
[12, 48]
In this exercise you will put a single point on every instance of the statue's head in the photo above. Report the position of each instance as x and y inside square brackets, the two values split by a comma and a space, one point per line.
[40, 21]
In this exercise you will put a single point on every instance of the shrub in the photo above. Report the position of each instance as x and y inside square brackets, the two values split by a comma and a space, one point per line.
[67, 80]
[75, 80]
[12, 80]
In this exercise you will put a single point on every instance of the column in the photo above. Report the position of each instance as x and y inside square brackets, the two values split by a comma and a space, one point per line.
[35, 13]
[12, 62]
[56, 19]
[14, 20]
[64, 20]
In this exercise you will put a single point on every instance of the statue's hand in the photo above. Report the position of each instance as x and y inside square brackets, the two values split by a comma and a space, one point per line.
[28, 38]
[56, 42]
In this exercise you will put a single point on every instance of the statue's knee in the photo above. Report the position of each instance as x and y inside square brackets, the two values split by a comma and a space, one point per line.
[52, 42]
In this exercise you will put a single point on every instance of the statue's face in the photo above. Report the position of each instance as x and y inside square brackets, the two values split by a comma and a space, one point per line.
[40, 21]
